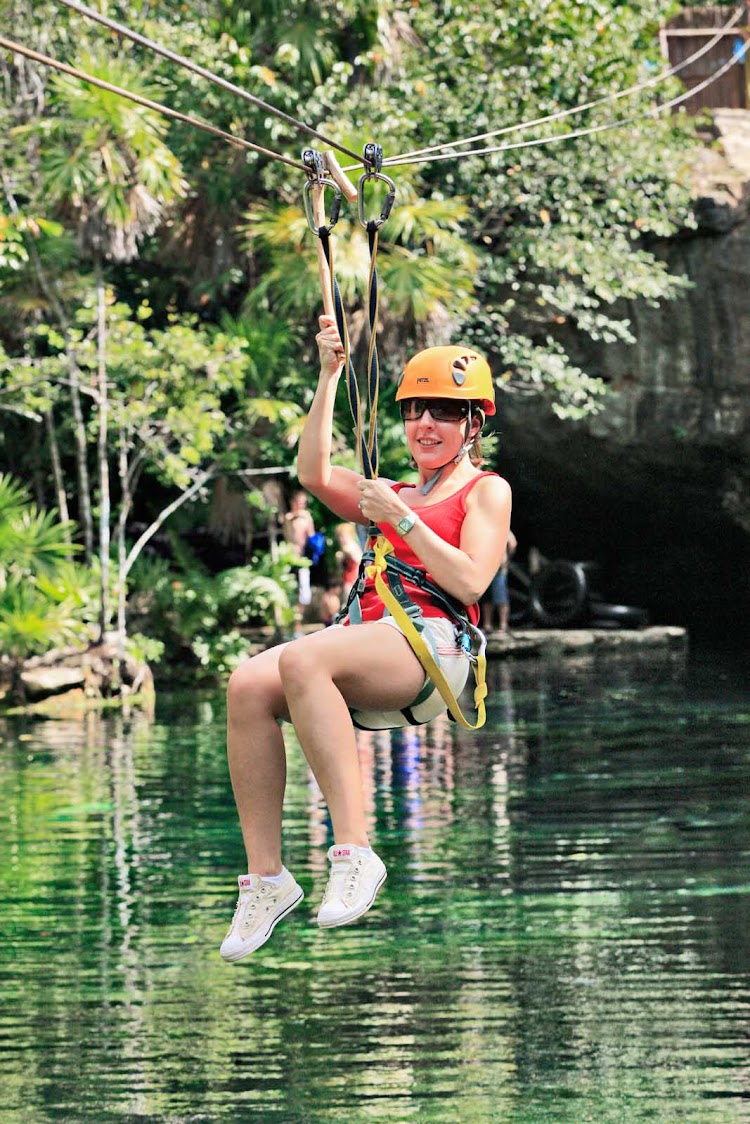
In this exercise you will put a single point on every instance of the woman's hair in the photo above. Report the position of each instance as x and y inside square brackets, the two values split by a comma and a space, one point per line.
[475, 452]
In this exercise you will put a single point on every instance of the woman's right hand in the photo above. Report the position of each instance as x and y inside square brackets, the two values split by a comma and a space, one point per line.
[330, 348]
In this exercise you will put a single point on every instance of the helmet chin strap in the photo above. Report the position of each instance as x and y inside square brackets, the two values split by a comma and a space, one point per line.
[430, 484]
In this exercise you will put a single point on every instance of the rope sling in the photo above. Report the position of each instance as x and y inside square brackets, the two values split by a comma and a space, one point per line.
[379, 563]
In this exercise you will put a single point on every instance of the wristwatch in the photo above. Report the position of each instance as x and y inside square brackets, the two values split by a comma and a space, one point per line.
[405, 525]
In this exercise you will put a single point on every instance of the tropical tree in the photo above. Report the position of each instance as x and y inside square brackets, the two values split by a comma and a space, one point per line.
[107, 167]
[176, 405]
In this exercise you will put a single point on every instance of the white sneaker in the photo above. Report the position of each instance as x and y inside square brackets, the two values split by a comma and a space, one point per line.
[355, 880]
[259, 907]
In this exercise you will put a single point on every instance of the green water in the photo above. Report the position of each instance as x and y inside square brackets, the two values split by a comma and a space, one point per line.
[564, 935]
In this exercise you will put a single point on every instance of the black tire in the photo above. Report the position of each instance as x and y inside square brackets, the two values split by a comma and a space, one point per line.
[559, 594]
[621, 616]
[519, 593]
[592, 570]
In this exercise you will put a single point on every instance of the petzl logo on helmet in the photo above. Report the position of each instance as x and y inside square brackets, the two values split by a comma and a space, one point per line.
[423, 380]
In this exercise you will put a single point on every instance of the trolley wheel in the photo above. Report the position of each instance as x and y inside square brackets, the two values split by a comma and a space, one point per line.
[559, 594]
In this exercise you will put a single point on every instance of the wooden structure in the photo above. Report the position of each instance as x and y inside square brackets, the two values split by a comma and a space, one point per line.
[685, 33]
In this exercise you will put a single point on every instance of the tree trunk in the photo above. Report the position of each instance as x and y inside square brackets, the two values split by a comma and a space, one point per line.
[151, 530]
[79, 426]
[103, 452]
[54, 453]
[125, 503]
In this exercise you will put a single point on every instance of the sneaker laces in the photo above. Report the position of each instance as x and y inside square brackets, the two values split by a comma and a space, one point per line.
[251, 897]
[344, 879]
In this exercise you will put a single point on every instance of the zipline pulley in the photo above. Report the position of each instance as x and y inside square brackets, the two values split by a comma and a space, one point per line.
[316, 177]
[372, 159]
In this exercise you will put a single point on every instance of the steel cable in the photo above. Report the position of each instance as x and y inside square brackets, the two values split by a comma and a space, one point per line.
[147, 103]
[555, 138]
[144, 41]
[560, 114]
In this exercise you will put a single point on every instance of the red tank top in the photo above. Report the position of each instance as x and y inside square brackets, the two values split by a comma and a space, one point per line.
[350, 569]
[446, 519]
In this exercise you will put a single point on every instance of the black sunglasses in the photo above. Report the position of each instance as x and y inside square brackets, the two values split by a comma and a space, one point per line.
[441, 409]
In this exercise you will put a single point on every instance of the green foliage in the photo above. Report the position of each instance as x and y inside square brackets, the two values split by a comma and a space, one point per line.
[103, 158]
[201, 619]
[423, 263]
[45, 599]
[171, 389]
[144, 649]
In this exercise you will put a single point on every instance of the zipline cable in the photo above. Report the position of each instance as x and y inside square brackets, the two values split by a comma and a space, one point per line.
[560, 114]
[136, 37]
[555, 138]
[147, 103]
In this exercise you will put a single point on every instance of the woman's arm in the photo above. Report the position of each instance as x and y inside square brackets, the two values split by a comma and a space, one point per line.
[465, 571]
[334, 485]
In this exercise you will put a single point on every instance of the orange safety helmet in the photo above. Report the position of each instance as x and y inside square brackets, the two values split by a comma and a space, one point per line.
[433, 373]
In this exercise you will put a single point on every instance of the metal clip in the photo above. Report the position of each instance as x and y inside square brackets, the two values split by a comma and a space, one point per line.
[372, 159]
[313, 161]
[316, 176]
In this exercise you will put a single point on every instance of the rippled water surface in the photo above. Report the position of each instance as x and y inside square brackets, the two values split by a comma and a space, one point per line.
[564, 935]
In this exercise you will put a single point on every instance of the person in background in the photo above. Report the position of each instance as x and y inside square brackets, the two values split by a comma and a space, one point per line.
[330, 601]
[496, 599]
[298, 527]
[348, 556]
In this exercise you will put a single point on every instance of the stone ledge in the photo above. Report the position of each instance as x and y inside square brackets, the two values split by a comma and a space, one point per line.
[571, 641]
[542, 641]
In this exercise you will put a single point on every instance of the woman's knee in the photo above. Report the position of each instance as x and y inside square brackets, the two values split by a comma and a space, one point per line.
[252, 686]
[297, 663]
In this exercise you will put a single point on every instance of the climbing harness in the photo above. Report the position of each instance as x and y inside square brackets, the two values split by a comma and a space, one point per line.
[380, 564]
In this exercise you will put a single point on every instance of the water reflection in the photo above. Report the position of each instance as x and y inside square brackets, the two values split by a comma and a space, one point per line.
[563, 935]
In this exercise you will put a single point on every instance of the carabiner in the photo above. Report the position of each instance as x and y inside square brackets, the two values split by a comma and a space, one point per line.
[373, 161]
[313, 161]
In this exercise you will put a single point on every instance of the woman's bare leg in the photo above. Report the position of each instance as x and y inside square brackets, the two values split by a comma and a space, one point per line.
[369, 666]
[257, 759]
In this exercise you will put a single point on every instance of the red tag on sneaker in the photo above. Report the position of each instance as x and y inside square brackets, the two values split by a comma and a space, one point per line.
[245, 881]
[342, 852]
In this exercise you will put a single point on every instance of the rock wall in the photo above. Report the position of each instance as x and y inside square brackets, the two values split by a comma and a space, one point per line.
[657, 487]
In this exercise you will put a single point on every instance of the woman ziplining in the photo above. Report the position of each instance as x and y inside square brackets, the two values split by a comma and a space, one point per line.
[434, 548]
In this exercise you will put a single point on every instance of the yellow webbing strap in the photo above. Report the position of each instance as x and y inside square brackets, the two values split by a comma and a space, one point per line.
[421, 650]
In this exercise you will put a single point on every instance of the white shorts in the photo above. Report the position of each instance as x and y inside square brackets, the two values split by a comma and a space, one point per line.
[441, 637]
